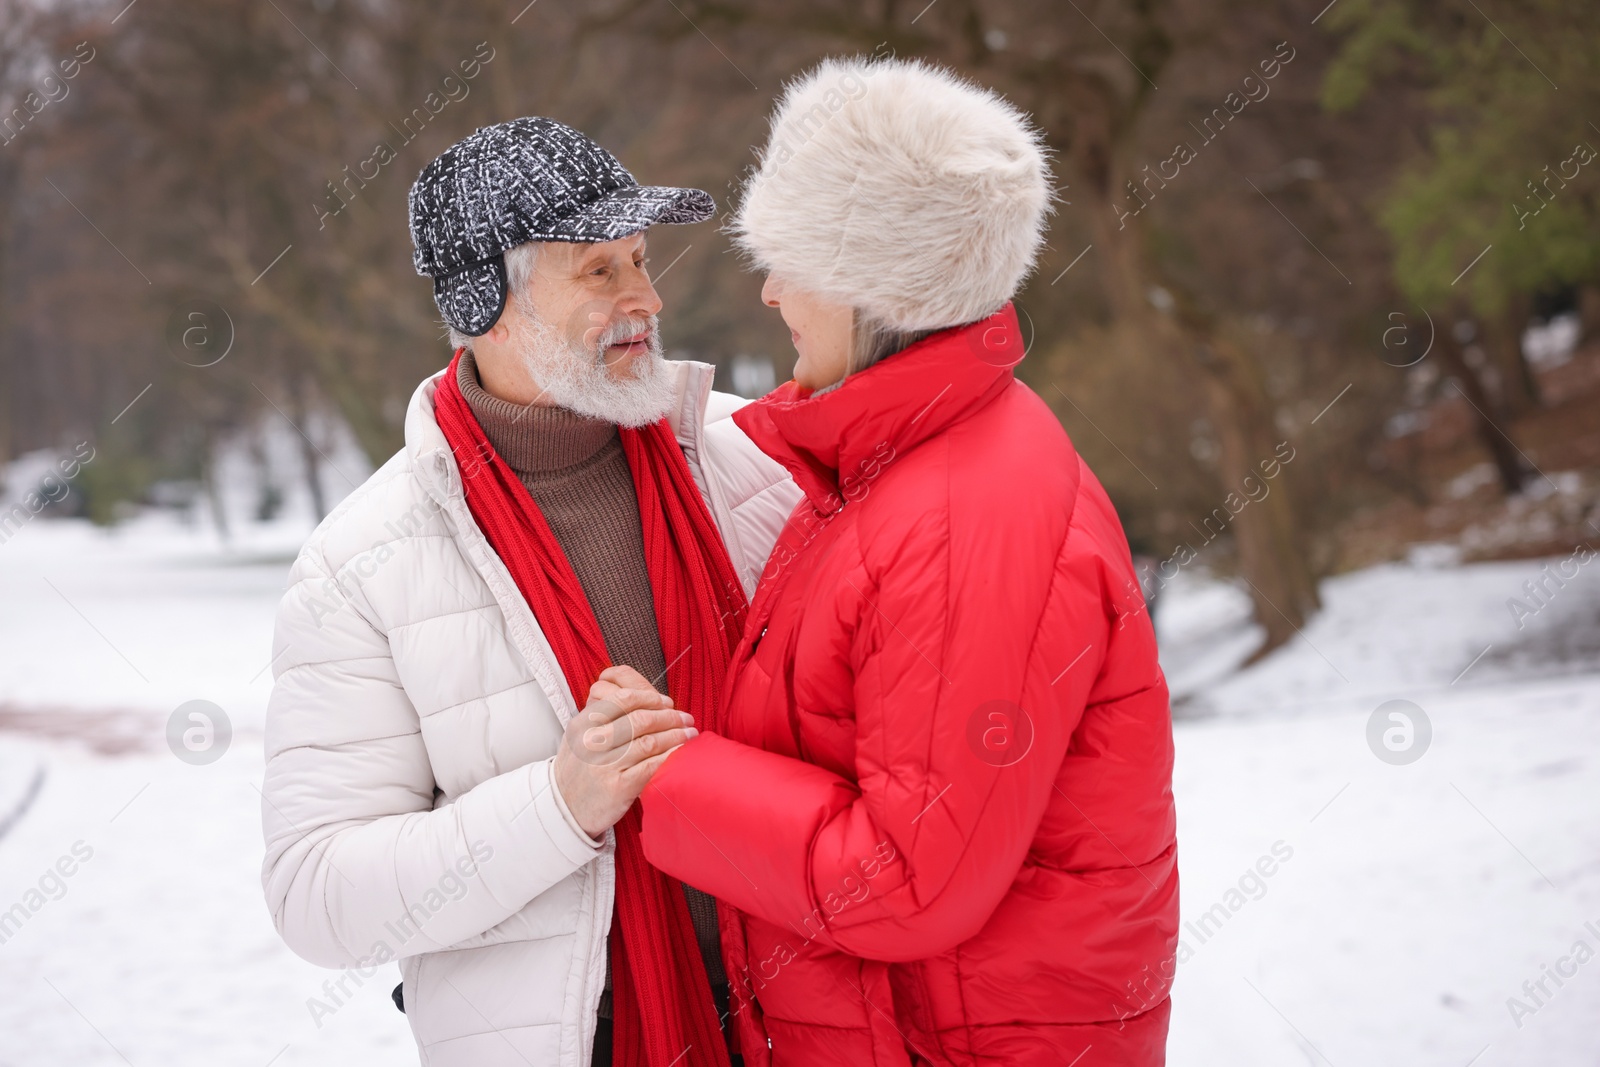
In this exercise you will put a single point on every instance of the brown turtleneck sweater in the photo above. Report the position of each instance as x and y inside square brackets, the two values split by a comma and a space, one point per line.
[575, 470]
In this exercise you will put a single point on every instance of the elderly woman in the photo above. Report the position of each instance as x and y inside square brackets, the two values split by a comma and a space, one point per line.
[937, 810]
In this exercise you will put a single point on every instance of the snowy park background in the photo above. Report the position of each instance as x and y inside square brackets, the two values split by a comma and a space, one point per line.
[1415, 899]
[1337, 363]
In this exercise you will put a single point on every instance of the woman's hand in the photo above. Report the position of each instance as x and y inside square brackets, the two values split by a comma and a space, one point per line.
[613, 747]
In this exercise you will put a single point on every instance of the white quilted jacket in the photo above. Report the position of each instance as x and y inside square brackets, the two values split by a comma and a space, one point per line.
[407, 806]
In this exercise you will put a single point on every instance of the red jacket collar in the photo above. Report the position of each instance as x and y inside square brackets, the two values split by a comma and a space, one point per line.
[832, 442]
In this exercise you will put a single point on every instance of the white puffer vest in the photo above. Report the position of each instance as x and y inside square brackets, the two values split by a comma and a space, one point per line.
[408, 807]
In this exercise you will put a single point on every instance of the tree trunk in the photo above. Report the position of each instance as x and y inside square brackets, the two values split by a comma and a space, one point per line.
[8, 378]
[1507, 460]
[1589, 313]
[1502, 339]
[309, 457]
[1272, 548]
[213, 490]
[1272, 553]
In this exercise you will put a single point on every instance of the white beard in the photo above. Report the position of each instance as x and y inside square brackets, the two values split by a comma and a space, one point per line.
[575, 376]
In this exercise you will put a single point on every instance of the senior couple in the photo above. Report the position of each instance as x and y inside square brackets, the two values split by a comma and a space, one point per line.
[642, 725]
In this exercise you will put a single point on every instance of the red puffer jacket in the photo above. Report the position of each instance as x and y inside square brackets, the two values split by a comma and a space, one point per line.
[941, 819]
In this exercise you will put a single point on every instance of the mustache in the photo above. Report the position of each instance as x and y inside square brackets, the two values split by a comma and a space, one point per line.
[624, 328]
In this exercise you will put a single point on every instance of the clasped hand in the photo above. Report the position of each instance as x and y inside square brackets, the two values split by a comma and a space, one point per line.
[614, 746]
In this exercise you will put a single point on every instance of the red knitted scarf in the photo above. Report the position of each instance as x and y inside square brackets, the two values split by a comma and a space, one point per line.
[663, 1014]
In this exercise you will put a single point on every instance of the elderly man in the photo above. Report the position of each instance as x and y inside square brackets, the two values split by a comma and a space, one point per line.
[452, 761]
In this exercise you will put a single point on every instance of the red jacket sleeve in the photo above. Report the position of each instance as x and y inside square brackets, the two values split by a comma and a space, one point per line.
[954, 651]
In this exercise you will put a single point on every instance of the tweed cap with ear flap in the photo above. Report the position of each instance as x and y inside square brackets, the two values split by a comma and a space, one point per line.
[530, 179]
[898, 188]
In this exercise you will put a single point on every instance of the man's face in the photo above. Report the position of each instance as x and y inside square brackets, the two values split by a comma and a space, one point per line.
[584, 330]
[593, 293]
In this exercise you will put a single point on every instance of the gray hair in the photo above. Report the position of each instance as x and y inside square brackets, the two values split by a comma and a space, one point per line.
[520, 262]
[872, 340]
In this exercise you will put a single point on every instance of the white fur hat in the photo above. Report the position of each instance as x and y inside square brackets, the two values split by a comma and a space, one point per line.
[898, 188]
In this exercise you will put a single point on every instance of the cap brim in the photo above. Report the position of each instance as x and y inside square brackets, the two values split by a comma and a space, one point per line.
[472, 299]
[627, 211]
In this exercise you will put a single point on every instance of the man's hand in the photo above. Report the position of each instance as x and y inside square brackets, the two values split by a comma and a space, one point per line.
[613, 747]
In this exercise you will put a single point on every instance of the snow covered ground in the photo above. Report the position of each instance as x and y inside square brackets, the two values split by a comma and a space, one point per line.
[1405, 902]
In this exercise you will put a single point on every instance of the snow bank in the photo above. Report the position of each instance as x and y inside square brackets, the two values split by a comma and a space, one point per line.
[1405, 904]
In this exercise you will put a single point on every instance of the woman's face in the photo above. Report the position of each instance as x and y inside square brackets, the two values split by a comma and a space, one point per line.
[820, 330]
